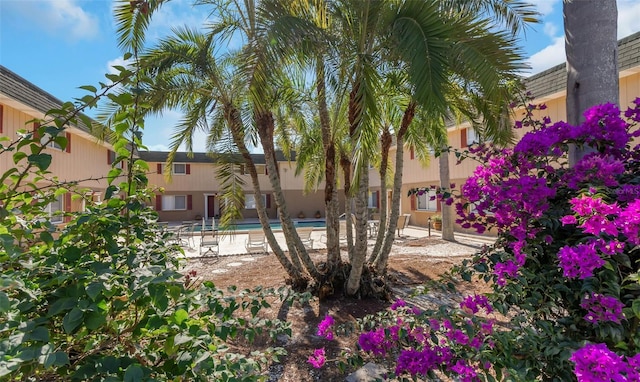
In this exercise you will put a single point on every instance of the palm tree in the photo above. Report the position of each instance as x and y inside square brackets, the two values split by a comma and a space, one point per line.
[187, 74]
[590, 29]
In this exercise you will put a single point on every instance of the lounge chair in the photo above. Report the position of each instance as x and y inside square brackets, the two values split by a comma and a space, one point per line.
[305, 237]
[209, 242]
[403, 222]
[256, 242]
[342, 234]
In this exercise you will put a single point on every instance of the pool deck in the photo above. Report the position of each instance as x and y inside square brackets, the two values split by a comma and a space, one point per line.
[234, 244]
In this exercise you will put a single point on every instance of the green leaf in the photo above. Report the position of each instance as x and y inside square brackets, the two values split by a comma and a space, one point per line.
[636, 307]
[94, 289]
[40, 333]
[89, 88]
[5, 305]
[18, 156]
[180, 315]
[93, 320]
[58, 358]
[108, 364]
[72, 320]
[113, 174]
[42, 161]
[134, 373]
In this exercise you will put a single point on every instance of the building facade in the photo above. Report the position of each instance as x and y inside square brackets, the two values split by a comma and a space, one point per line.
[193, 191]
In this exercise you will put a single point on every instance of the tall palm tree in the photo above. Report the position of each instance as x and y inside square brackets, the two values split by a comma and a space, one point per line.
[188, 74]
[591, 45]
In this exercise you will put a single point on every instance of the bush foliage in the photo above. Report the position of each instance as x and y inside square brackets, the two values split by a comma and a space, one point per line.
[563, 271]
[101, 297]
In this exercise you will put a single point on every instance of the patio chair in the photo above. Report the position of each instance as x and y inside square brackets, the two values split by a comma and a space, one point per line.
[189, 233]
[178, 235]
[403, 222]
[305, 237]
[209, 242]
[342, 233]
[256, 242]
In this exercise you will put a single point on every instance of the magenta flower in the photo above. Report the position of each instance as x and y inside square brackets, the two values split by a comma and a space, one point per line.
[568, 219]
[374, 341]
[595, 362]
[474, 303]
[579, 261]
[324, 327]
[398, 304]
[318, 359]
[602, 308]
[465, 372]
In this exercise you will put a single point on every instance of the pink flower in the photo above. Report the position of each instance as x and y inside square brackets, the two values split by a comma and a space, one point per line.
[324, 327]
[318, 359]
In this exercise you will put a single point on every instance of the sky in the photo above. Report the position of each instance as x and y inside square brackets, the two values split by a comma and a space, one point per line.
[60, 45]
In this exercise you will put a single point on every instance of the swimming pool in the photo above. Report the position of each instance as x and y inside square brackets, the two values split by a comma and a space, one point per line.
[274, 226]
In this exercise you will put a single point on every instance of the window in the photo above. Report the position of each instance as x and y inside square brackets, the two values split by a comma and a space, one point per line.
[55, 210]
[174, 202]
[250, 201]
[176, 168]
[373, 200]
[427, 201]
[179, 169]
[472, 137]
[111, 157]
[53, 144]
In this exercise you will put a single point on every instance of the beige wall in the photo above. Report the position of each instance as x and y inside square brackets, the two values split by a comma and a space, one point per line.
[416, 175]
[201, 181]
[84, 163]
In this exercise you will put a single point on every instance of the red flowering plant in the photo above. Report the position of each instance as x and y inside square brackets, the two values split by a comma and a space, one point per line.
[564, 268]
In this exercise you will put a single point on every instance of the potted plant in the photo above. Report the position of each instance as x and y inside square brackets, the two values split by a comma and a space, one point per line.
[301, 215]
[437, 222]
[318, 214]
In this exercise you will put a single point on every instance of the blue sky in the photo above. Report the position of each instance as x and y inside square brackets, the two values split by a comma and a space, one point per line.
[59, 45]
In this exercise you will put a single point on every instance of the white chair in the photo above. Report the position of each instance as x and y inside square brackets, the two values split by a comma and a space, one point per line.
[342, 234]
[305, 237]
[403, 222]
[256, 242]
[209, 242]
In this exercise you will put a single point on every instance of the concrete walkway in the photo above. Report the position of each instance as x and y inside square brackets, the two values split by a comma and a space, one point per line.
[234, 244]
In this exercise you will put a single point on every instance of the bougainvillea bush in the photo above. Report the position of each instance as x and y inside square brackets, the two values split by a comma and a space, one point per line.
[564, 269]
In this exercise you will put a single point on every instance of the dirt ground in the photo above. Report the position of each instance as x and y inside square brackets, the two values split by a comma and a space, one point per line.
[412, 263]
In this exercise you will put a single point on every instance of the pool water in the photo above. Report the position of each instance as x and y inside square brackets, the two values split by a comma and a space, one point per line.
[274, 226]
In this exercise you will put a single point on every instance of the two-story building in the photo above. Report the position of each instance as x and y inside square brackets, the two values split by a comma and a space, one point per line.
[194, 191]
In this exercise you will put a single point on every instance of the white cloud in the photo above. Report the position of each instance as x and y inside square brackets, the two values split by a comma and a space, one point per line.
[58, 17]
[548, 57]
[554, 54]
[160, 129]
[158, 147]
[545, 7]
[628, 16]
[116, 62]
[550, 29]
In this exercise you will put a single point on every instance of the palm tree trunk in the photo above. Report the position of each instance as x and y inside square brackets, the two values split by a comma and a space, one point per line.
[592, 50]
[360, 245]
[265, 123]
[386, 140]
[345, 164]
[445, 182]
[383, 258]
[293, 267]
[330, 188]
